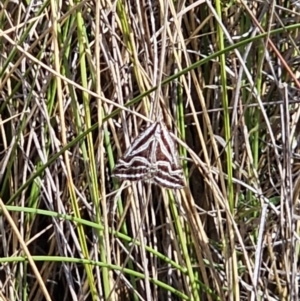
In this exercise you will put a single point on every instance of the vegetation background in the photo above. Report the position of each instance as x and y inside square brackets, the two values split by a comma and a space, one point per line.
[78, 80]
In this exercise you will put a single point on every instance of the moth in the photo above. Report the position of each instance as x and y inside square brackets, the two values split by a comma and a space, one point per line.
[152, 157]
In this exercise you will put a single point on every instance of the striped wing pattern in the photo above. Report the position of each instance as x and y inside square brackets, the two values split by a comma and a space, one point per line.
[152, 157]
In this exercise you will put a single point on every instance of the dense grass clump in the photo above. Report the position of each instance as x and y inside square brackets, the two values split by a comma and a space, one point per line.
[80, 80]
